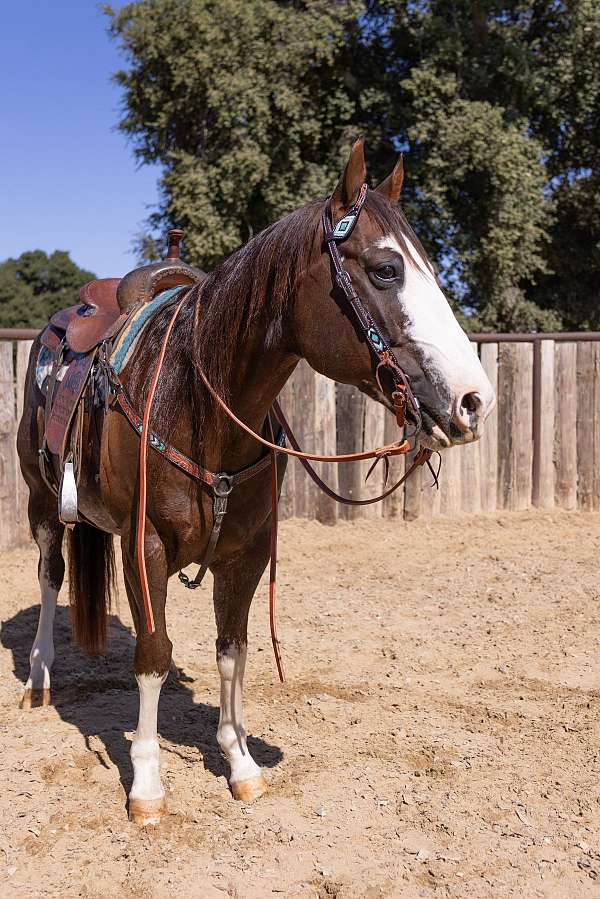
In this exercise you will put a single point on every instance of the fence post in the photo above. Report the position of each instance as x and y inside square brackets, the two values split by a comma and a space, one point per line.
[325, 444]
[374, 430]
[393, 504]
[286, 502]
[488, 457]
[543, 426]
[595, 429]
[23, 350]
[585, 425]
[565, 425]
[350, 417]
[9, 523]
[450, 482]
[303, 387]
[470, 480]
[515, 420]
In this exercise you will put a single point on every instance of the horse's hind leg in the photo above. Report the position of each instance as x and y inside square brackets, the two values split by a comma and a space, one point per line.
[234, 586]
[48, 534]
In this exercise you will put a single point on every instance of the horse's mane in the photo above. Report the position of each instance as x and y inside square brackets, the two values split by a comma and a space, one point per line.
[257, 282]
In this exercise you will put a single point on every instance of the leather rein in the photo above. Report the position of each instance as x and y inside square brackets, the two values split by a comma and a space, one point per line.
[221, 484]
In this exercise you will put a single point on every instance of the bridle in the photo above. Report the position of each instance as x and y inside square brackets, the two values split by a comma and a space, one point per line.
[402, 394]
[403, 400]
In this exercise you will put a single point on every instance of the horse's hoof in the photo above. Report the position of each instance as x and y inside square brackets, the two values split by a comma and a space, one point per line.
[35, 698]
[147, 811]
[249, 790]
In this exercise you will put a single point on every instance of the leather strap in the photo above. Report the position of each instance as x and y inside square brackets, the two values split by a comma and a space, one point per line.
[219, 511]
[402, 395]
[141, 516]
[423, 456]
[179, 459]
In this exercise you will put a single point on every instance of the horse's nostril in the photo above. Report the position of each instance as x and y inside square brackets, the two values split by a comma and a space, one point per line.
[468, 411]
[471, 402]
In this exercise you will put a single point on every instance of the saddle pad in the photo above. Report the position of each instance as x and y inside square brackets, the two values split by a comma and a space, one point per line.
[66, 400]
[127, 339]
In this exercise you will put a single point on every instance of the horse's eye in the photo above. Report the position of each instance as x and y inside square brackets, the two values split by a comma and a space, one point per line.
[386, 272]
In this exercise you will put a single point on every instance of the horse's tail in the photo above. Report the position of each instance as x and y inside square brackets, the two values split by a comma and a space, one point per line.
[91, 584]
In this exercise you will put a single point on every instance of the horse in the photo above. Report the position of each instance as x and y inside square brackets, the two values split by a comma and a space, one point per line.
[245, 327]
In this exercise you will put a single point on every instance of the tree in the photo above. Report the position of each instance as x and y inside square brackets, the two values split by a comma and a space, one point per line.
[250, 106]
[36, 285]
[245, 104]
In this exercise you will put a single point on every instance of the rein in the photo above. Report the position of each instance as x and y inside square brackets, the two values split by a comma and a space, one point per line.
[221, 484]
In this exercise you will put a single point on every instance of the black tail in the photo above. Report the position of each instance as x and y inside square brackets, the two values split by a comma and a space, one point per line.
[91, 584]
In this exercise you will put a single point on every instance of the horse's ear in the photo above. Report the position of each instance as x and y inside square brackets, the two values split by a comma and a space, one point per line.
[392, 186]
[349, 185]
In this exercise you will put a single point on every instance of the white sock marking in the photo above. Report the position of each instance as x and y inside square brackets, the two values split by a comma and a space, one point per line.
[231, 735]
[145, 752]
[41, 656]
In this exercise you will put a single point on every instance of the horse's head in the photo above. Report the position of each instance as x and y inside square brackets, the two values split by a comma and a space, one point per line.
[396, 283]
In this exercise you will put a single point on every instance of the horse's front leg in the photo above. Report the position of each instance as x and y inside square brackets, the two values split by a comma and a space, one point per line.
[234, 586]
[151, 665]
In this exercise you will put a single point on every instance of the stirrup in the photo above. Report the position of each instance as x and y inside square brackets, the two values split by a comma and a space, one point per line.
[67, 495]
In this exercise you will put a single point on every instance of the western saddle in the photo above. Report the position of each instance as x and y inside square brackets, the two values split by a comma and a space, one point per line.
[79, 339]
[105, 304]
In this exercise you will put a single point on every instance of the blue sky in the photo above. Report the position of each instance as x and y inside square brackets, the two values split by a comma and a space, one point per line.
[68, 179]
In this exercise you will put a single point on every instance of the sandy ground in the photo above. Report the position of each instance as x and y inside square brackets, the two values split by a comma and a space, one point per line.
[437, 736]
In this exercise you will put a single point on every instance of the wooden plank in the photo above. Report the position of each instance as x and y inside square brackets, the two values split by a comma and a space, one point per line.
[350, 411]
[595, 429]
[303, 386]
[488, 454]
[393, 505]
[543, 485]
[412, 492]
[586, 358]
[327, 510]
[470, 477]
[373, 437]
[286, 501]
[565, 425]
[515, 421]
[450, 482]
[23, 350]
[9, 525]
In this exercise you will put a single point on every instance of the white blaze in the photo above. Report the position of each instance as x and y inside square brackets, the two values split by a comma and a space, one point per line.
[449, 357]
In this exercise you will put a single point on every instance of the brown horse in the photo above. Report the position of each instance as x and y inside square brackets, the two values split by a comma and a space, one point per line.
[270, 304]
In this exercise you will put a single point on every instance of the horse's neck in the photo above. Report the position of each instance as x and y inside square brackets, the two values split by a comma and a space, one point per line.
[262, 368]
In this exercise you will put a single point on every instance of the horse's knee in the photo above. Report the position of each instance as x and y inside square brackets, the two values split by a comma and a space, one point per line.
[152, 654]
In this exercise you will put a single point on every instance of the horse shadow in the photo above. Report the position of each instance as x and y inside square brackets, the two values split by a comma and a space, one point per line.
[99, 696]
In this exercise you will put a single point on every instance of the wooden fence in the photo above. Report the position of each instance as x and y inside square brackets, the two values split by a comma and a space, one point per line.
[541, 445]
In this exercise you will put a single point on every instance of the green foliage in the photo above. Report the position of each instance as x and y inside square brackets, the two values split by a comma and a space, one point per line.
[250, 105]
[244, 103]
[36, 285]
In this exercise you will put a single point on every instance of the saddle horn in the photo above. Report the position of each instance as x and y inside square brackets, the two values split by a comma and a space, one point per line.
[142, 284]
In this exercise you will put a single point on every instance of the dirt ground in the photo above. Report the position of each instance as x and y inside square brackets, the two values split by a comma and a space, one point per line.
[437, 735]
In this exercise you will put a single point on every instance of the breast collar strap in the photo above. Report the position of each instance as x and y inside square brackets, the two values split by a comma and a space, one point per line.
[403, 397]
